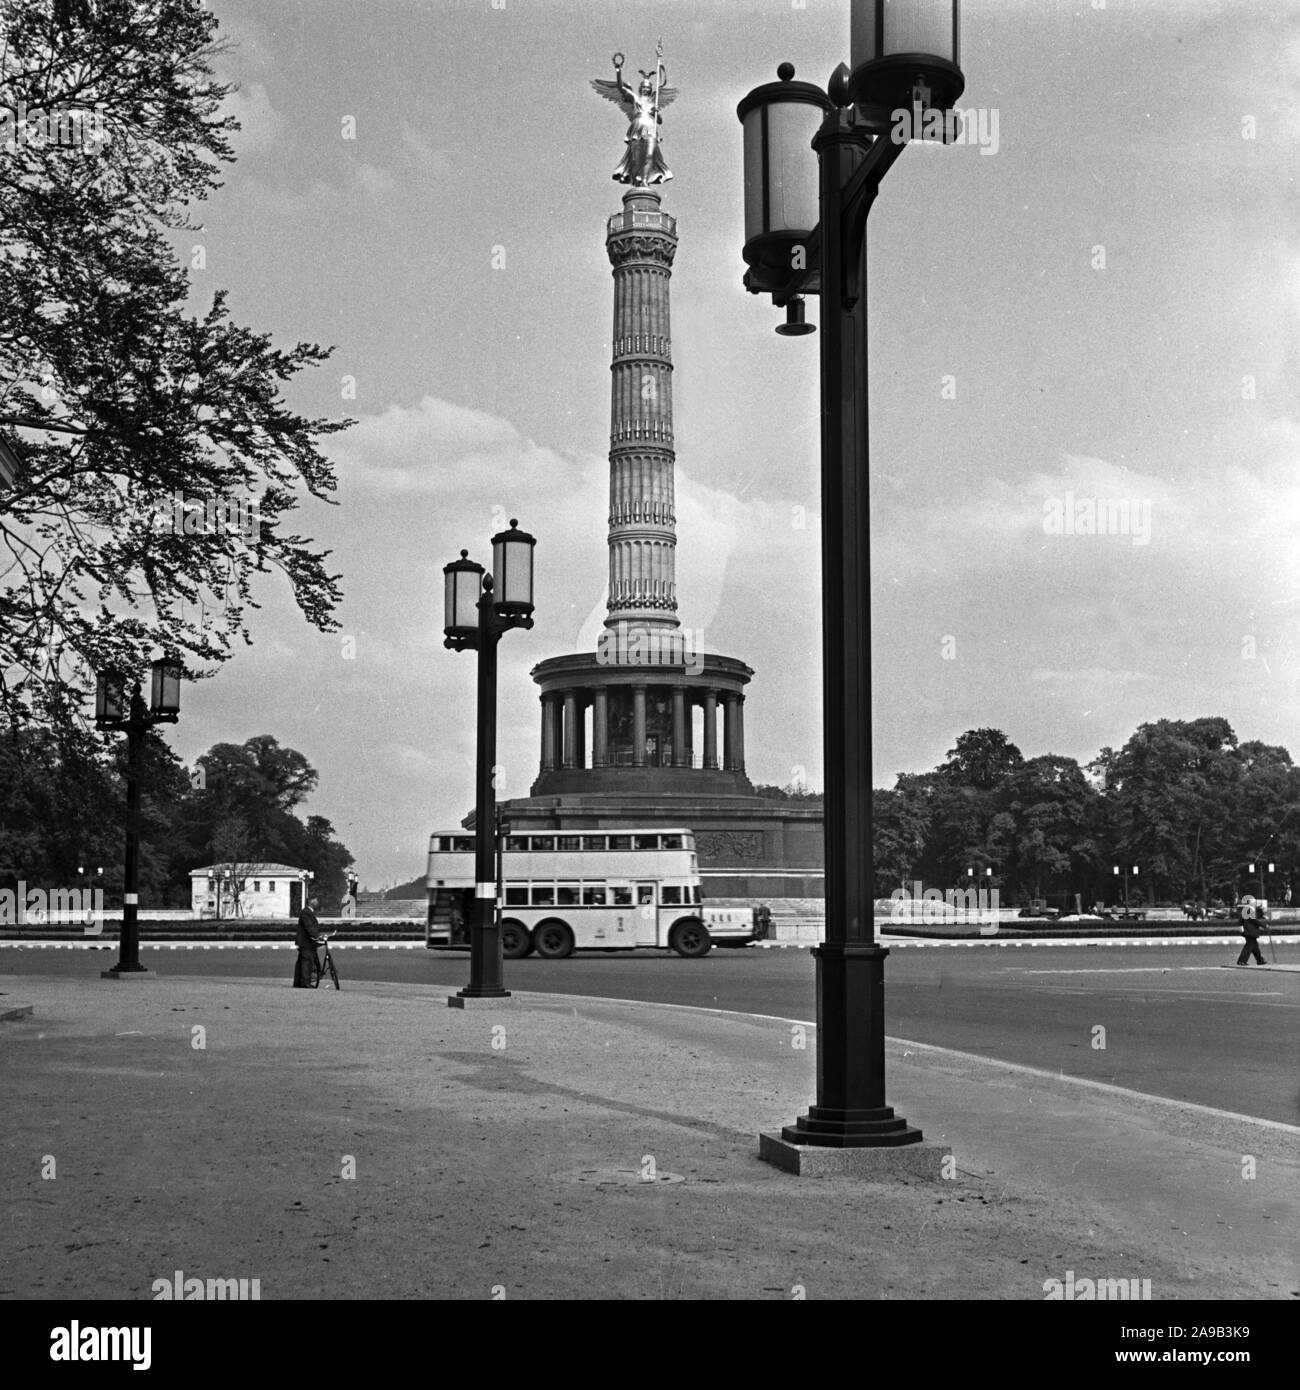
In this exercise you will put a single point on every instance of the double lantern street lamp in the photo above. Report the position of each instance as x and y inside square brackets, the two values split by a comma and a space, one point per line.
[805, 233]
[117, 711]
[478, 610]
[1127, 875]
[1263, 890]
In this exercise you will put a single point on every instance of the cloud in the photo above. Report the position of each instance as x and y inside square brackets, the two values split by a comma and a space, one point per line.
[438, 449]
[433, 162]
[261, 125]
[378, 183]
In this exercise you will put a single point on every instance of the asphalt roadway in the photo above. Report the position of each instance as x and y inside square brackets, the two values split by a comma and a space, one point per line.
[1166, 1020]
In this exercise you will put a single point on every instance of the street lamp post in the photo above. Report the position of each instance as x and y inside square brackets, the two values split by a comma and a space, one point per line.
[806, 235]
[478, 609]
[115, 711]
[1126, 878]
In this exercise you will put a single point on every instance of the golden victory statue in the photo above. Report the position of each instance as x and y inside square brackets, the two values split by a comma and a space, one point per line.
[643, 163]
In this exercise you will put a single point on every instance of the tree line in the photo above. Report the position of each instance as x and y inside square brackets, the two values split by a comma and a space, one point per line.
[62, 818]
[1182, 801]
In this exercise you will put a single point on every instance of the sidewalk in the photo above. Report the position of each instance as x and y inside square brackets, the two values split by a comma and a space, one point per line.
[568, 1147]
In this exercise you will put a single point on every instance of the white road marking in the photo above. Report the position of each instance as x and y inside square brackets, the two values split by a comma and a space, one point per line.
[572, 1000]
[1117, 969]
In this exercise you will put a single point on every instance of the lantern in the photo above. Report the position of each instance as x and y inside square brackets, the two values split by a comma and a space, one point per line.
[904, 54]
[512, 572]
[781, 177]
[165, 691]
[110, 698]
[464, 583]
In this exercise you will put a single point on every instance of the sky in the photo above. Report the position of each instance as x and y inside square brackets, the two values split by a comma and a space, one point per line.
[1084, 378]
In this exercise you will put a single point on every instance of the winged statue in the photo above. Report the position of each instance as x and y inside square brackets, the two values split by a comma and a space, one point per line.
[643, 161]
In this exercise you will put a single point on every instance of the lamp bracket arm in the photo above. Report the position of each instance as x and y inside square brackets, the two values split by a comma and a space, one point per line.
[855, 203]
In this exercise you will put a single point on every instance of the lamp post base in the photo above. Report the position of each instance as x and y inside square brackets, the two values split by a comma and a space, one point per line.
[127, 972]
[825, 1128]
[468, 999]
[905, 1158]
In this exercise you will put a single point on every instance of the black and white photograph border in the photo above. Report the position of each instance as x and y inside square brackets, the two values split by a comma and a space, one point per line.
[717, 581]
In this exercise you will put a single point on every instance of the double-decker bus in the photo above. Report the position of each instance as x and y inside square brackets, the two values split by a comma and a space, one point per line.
[582, 890]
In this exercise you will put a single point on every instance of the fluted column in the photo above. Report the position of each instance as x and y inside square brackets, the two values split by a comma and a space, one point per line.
[548, 733]
[711, 728]
[580, 731]
[566, 757]
[641, 243]
[638, 726]
[600, 728]
[679, 726]
[740, 733]
[729, 733]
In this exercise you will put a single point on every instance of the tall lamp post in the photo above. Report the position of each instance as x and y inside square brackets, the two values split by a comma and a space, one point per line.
[805, 233]
[114, 710]
[1126, 879]
[478, 610]
[1263, 889]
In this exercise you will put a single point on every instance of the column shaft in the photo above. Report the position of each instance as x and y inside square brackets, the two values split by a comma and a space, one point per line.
[679, 727]
[710, 728]
[638, 726]
[567, 753]
[599, 729]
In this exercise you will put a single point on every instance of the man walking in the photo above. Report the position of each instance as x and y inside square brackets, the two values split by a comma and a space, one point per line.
[1251, 914]
[307, 970]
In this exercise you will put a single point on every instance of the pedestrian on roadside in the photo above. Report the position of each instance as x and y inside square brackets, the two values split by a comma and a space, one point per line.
[307, 970]
[1250, 914]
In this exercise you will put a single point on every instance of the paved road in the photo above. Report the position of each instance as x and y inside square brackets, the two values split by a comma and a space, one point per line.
[1175, 1022]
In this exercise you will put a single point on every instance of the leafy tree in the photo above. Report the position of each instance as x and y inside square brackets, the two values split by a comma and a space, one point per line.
[982, 758]
[899, 824]
[1048, 818]
[1170, 793]
[125, 399]
[245, 810]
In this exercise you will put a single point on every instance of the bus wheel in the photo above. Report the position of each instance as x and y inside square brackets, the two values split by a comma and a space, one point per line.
[552, 940]
[515, 941]
[689, 937]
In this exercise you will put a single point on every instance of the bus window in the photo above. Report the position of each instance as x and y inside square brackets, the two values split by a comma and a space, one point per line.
[543, 844]
[645, 894]
[463, 844]
[566, 895]
[517, 844]
[543, 895]
[619, 894]
[593, 842]
[647, 841]
[593, 895]
[620, 842]
[569, 843]
[672, 897]
[671, 842]
[517, 896]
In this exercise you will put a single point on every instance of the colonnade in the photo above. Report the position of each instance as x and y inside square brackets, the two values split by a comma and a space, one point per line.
[647, 739]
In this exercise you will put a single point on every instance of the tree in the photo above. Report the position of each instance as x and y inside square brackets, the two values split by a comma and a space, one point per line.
[245, 810]
[899, 824]
[128, 401]
[1048, 818]
[1169, 804]
[982, 758]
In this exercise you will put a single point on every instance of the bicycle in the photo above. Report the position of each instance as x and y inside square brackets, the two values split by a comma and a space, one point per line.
[327, 963]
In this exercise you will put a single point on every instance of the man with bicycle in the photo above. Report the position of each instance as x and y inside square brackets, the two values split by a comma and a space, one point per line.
[307, 970]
